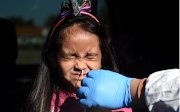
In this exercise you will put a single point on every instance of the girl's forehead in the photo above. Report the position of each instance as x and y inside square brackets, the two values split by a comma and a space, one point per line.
[73, 29]
[75, 32]
[80, 41]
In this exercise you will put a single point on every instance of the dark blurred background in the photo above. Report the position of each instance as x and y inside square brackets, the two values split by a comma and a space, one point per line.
[145, 36]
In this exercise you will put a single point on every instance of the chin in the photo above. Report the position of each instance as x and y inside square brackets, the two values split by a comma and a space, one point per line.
[78, 84]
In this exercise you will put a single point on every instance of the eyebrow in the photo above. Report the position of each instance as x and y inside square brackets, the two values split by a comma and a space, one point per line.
[68, 54]
[74, 54]
[91, 54]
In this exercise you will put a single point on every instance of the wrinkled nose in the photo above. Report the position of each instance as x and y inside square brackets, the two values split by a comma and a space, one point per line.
[80, 65]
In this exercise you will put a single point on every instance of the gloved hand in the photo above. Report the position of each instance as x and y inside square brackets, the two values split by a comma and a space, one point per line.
[106, 89]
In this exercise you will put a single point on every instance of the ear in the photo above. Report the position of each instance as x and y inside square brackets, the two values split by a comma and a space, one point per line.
[52, 60]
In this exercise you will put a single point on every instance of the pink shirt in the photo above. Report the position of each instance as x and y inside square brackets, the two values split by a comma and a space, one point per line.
[68, 103]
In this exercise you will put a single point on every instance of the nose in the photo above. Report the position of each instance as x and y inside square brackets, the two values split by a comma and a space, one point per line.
[80, 65]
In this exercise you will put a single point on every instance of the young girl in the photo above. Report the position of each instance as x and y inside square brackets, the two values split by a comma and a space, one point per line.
[75, 45]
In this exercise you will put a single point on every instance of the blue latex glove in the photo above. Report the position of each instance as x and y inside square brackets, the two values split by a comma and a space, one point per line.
[105, 89]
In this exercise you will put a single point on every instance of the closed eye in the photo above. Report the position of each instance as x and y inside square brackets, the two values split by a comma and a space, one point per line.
[69, 56]
[91, 56]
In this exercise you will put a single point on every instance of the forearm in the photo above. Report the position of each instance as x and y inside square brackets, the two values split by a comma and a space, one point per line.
[137, 88]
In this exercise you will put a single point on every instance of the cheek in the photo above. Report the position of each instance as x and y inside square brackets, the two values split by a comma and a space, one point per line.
[94, 65]
[64, 67]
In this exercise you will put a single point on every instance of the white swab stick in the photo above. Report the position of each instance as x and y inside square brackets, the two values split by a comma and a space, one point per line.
[82, 78]
[82, 74]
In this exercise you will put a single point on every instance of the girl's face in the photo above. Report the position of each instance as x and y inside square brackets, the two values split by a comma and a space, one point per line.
[80, 51]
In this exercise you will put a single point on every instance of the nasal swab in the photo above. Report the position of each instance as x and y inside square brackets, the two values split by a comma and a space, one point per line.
[82, 78]
[82, 74]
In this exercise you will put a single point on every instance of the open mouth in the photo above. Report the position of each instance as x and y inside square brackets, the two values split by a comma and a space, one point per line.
[79, 75]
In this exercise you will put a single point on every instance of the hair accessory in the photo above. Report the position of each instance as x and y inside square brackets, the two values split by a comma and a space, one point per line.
[66, 10]
[74, 9]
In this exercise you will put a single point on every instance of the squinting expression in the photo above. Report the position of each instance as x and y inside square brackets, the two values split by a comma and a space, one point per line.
[80, 51]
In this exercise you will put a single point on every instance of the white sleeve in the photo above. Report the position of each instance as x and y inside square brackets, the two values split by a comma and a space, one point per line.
[162, 91]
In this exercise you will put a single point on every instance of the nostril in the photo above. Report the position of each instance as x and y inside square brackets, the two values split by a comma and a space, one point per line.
[77, 69]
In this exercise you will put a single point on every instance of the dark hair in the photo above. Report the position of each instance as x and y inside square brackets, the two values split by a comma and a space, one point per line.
[48, 81]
